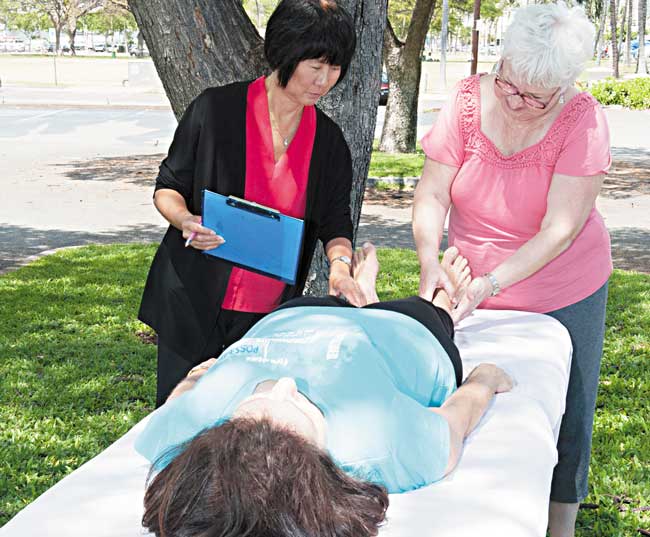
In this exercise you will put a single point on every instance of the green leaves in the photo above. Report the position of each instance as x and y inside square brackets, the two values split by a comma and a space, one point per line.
[633, 93]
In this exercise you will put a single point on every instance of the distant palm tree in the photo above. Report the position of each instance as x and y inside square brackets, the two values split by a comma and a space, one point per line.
[642, 64]
[612, 17]
[443, 44]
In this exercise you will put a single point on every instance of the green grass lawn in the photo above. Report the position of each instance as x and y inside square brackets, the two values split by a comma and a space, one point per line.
[395, 164]
[76, 373]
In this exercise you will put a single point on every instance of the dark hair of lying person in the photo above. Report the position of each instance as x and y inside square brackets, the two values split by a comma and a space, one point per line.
[251, 478]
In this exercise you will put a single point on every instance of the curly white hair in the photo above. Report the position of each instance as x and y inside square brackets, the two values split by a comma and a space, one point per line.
[548, 45]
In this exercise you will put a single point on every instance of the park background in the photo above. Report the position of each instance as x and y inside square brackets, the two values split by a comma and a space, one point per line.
[81, 134]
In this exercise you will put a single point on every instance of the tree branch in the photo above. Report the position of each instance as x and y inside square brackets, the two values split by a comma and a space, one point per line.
[419, 26]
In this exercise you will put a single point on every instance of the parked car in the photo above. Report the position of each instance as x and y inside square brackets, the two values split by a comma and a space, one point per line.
[135, 51]
[99, 47]
[383, 90]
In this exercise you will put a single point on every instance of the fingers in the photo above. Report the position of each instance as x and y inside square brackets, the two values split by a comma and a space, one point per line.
[202, 241]
[202, 238]
[447, 285]
[350, 290]
[356, 297]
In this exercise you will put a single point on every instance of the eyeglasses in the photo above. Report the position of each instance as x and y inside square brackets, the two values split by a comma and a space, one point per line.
[511, 90]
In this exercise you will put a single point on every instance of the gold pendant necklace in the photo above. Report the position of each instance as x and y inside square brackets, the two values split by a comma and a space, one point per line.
[274, 126]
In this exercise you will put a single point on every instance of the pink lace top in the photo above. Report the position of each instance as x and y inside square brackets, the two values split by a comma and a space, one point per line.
[498, 201]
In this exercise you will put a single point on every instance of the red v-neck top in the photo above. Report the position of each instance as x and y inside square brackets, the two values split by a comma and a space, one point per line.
[281, 185]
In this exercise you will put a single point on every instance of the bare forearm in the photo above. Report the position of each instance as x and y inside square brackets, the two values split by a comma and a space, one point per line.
[428, 226]
[338, 247]
[171, 205]
[532, 256]
[569, 204]
[465, 408]
[469, 403]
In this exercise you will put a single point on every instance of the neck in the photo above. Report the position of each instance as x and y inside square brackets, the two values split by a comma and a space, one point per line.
[282, 106]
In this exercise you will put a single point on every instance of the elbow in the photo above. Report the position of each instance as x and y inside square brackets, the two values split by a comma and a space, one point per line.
[561, 236]
[454, 457]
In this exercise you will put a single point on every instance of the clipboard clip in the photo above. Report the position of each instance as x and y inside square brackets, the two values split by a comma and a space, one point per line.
[252, 207]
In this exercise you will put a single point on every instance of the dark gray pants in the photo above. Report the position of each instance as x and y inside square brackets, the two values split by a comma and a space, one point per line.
[585, 321]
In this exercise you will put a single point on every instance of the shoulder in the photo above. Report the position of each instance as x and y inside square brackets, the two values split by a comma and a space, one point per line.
[223, 95]
[327, 126]
[583, 112]
[329, 133]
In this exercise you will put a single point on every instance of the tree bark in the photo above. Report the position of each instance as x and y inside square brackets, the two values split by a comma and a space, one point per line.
[601, 31]
[206, 43]
[614, 42]
[642, 63]
[623, 23]
[72, 32]
[404, 68]
[628, 35]
[476, 17]
[443, 44]
[199, 44]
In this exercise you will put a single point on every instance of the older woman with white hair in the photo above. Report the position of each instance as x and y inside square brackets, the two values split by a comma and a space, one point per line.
[517, 159]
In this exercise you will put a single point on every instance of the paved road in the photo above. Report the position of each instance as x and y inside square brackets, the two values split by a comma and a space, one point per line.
[57, 190]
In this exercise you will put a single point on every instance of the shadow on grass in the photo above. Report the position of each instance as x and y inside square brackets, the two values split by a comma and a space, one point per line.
[19, 244]
[387, 233]
[631, 248]
[629, 175]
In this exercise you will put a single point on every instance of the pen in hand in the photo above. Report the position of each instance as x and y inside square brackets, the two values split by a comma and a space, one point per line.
[192, 236]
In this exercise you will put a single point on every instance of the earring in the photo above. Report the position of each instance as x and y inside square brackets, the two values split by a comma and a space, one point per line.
[561, 99]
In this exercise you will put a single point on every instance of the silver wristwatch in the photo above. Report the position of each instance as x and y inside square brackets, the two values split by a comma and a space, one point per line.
[344, 258]
[496, 288]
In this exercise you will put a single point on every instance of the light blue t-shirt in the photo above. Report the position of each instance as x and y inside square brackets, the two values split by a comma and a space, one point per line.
[372, 373]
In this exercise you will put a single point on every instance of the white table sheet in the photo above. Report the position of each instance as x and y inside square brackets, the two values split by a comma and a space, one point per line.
[500, 487]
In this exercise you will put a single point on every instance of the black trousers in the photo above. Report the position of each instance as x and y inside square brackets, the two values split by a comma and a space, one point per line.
[173, 367]
[435, 319]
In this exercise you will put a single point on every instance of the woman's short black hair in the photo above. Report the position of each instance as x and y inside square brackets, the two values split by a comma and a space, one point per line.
[308, 29]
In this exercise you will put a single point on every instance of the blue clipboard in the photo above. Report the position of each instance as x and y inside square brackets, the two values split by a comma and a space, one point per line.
[258, 238]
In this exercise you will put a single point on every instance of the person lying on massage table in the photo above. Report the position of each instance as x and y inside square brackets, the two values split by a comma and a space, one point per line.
[304, 425]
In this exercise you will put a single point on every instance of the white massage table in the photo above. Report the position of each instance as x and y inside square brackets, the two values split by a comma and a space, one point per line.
[500, 488]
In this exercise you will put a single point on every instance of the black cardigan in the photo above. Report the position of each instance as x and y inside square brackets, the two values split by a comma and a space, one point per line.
[185, 288]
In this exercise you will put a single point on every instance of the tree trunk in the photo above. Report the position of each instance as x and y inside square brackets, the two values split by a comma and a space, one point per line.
[601, 31]
[612, 24]
[72, 32]
[443, 44]
[199, 44]
[208, 43]
[628, 35]
[57, 39]
[623, 23]
[642, 63]
[476, 15]
[404, 68]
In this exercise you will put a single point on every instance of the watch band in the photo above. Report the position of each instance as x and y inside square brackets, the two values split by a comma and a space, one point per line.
[344, 258]
[496, 288]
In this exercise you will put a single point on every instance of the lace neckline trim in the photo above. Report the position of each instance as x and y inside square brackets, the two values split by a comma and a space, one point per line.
[545, 150]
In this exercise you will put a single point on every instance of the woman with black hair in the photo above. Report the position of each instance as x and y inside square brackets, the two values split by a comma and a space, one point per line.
[264, 141]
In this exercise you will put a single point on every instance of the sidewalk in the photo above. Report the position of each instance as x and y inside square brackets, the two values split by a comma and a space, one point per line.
[147, 97]
[115, 191]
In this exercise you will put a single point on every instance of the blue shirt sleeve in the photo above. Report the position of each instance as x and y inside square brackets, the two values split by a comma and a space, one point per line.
[420, 446]
[181, 419]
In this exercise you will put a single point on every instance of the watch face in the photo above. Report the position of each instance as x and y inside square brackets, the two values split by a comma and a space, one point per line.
[345, 259]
